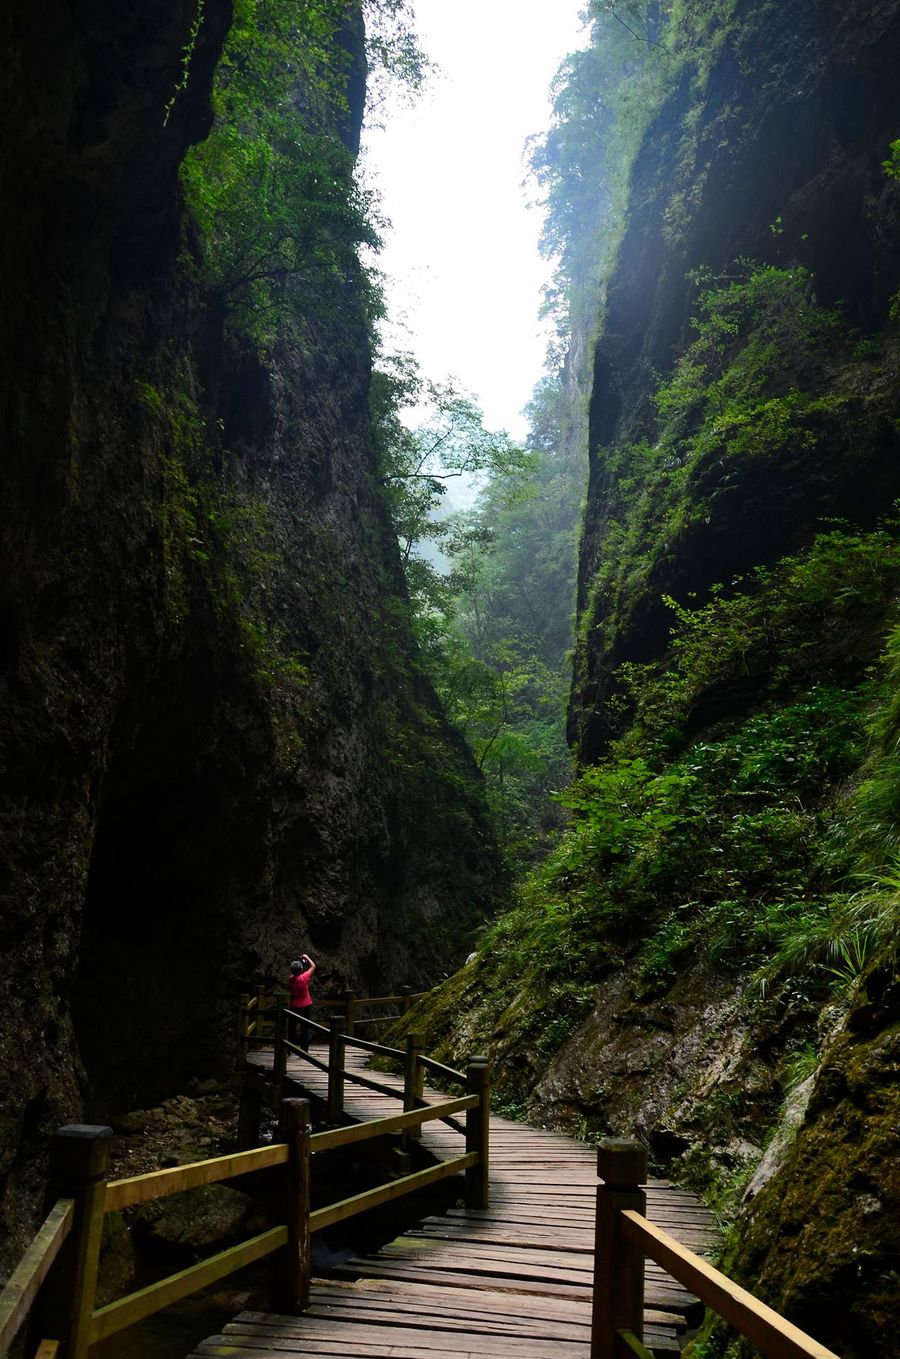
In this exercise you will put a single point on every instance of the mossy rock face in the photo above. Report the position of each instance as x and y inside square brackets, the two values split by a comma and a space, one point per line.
[822, 1241]
[118, 1260]
[220, 746]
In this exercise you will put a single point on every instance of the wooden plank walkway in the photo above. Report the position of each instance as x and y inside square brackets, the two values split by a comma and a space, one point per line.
[510, 1280]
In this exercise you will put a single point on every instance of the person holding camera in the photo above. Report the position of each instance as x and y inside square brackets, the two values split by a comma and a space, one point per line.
[301, 1001]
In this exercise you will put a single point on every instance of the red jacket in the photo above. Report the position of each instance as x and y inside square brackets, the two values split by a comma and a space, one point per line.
[299, 989]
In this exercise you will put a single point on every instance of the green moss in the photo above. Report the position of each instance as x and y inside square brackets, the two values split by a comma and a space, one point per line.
[822, 1239]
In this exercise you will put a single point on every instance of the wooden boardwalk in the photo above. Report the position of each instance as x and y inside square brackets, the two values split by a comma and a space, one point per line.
[510, 1280]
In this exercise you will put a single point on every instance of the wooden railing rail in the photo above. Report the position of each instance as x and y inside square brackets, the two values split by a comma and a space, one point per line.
[307, 1056]
[439, 1069]
[379, 1127]
[62, 1298]
[624, 1237]
[415, 1062]
[377, 1049]
[256, 1013]
[24, 1283]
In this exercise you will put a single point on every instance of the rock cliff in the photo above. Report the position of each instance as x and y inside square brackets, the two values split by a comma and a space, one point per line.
[773, 154]
[218, 745]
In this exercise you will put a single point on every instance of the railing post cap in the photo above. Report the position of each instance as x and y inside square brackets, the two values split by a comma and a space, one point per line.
[82, 1151]
[413, 1040]
[294, 1112]
[621, 1162]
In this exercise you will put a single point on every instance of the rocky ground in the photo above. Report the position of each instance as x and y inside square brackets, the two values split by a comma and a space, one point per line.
[155, 1238]
[189, 1127]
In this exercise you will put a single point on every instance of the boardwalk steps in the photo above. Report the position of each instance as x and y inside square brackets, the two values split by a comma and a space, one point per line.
[512, 1279]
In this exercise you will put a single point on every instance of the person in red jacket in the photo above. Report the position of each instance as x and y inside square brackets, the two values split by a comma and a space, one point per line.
[301, 1001]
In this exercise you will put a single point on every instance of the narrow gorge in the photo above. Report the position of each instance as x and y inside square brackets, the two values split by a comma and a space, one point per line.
[255, 695]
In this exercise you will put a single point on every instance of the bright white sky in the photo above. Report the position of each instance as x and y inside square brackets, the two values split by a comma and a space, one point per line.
[464, 273]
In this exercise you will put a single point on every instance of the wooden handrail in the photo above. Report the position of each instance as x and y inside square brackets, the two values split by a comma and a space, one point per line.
[364, 1044]
[439, 1069]
[264, 1002]
[80, 1158]
[377, 1049]
[378, 1127]
[763, 1326]
[310, 1023]
[307, 1056]
[115, 1316]
[624, 1236]
[340, 1002]
[22, 1287]
[158, 1184]
[384, 1193]
[629, 1347]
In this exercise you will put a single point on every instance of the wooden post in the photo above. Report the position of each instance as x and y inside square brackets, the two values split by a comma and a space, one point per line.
[336, 1051]
[79, 1169]
[290, 1291]
[618, 1265]
[478, 1130]
[260, 1012]
[413, 1080]
[405, 999]
[350, 997]
[249, 1110]
[279, 1059]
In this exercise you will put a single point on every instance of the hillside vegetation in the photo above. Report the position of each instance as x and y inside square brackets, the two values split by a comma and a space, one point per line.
[707, 955]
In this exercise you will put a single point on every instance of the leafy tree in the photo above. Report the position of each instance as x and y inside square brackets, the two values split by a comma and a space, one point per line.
[272, 189]
[491, 589]
[450, 442]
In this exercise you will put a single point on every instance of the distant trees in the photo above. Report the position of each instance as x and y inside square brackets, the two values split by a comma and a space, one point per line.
[491, 589]
[450, 442]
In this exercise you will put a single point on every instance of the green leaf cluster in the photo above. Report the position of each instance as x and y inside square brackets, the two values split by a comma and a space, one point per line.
[273, 190]
[736, 850]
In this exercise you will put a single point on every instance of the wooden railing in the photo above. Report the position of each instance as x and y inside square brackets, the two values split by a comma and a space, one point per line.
[63, 1297]
[624, 1237]
[22, 1288]
[256, 1013]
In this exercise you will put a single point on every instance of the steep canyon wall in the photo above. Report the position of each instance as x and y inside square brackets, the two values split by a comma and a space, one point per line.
[218, 745]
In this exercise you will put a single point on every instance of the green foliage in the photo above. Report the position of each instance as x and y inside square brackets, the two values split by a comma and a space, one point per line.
[892, 164]
[754, 387]
[187, 54]
[580, 166]
[757, 331]
[490, 607]
[605, 98]
[800, 1066]
[450, 442]
[727, 850]
[760, 629]
[272, 188]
